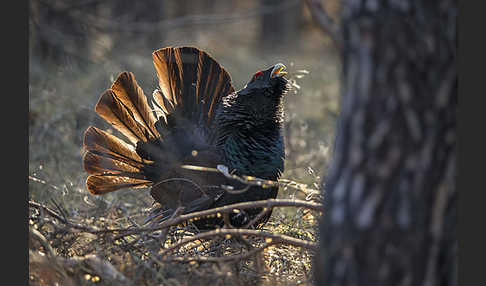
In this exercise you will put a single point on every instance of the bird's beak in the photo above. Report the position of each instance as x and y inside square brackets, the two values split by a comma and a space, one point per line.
[279, 70]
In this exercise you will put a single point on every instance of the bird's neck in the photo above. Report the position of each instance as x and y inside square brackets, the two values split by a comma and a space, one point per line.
[250, 111]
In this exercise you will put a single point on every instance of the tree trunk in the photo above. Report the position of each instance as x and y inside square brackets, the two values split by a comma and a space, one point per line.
[390, 197]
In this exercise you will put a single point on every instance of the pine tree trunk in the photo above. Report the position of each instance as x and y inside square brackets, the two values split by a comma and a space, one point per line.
[390, 197]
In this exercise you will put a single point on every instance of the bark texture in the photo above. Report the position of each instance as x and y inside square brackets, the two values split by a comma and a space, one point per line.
[390, 197]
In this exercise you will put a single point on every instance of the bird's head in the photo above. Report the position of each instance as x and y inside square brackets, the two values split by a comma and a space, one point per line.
[269, 82]
[260, 101]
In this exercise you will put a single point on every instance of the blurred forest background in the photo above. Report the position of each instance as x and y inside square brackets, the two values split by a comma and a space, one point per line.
[77, 48]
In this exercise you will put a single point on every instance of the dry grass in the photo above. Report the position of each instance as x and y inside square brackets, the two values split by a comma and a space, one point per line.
[97, 249]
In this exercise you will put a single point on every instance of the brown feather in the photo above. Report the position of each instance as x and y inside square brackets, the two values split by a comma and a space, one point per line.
[213, 82]
[161, 102]
[165, 73]
[100, 185]
[101, 142]
[191, 80]
[97, 164]
[114, 163]
[118, 115]
[130, 94]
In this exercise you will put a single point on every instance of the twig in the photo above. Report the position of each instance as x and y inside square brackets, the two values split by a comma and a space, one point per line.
[325, 22]
[59, 208]
[235, 257]
[49, 211]
[269, 238]
[93, 264]
[163, 234]
[227, 221]
[43, 182]
[47, 247]
[65, 221]
[251, 181]
[257, 218]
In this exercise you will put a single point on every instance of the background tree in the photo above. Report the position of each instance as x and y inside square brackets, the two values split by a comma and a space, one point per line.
[280, 29]
[390, 196]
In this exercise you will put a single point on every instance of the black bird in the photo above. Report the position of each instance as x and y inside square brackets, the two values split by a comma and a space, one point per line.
[195, 119]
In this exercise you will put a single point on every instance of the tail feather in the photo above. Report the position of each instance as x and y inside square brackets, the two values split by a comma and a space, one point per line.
[125, 107]
[100, 164]
[213, 81]
[117, 114]
[131, 95]
[191, 83]
[112, 163]
[100, 184]
[101, 142]
[161, 104]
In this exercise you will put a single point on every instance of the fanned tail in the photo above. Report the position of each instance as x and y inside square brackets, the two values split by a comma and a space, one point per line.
[113, 163]
[192, 85]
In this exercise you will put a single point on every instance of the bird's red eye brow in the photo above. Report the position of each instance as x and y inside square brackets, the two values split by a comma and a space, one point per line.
[258, 75]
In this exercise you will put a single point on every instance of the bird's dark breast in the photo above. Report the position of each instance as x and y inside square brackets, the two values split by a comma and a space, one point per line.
[259, 157]
[251, 141]
[255, 155]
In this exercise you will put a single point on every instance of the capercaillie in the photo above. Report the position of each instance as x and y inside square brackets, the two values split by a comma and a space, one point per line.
[196, 118]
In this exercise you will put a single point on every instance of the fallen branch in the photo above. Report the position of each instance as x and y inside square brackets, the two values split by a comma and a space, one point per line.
[270, 203]
[270, 238]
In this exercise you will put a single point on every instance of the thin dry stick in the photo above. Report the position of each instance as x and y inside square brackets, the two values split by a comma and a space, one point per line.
[269, 238]
[47, 247]
[227, 222]
[325, 22]
[52, 213]
[257, 218]
[251, 181]
[163, 234]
